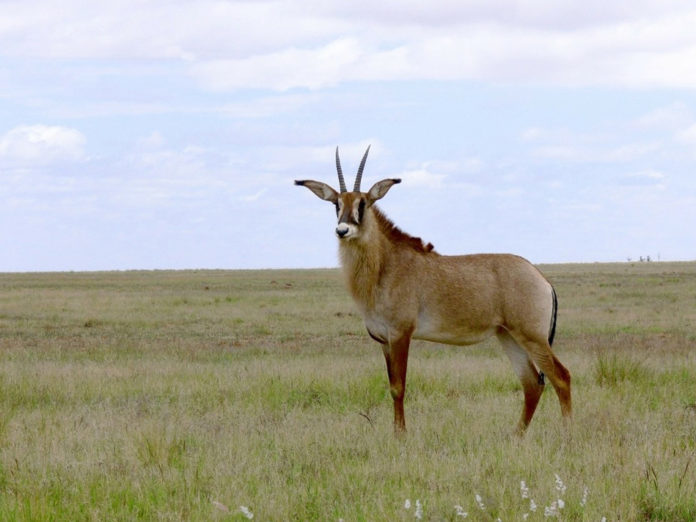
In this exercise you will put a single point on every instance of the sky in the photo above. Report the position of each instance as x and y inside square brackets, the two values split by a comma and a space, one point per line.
[167, 134]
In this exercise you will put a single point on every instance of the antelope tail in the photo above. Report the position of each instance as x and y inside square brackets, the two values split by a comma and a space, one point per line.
[552, 331]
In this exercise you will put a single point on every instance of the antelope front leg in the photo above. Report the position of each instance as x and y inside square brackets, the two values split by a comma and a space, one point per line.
[396, 355]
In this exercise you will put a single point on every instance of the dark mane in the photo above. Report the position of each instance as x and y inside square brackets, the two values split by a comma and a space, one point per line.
[396, 235]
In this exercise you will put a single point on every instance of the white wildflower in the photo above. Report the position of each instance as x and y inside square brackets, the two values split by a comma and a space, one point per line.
[246, 512]
[552, 510]
[560, 486]
[525, 516]
[407, 504]
[480, 503]
[532, 505]
[460, 511]
[524, 490]
[419, 510]
[585, 492]
[561, 503]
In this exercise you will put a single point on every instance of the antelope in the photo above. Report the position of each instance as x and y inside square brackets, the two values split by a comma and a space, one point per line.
[405, 290]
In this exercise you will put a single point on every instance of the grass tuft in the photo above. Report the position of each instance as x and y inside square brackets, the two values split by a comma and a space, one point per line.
[615, 369]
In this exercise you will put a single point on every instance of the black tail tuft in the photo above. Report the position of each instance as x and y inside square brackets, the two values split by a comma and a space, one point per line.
[552, 332]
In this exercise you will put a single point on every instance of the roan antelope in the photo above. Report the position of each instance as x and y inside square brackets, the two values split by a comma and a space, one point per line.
[404, 289]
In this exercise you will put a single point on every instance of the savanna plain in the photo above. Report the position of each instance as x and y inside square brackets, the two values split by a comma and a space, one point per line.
[226, 395]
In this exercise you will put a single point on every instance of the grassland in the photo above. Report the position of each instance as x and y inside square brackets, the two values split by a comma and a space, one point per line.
[186, 395]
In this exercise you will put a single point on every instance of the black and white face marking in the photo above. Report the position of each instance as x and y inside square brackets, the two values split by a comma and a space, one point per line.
[350, 210]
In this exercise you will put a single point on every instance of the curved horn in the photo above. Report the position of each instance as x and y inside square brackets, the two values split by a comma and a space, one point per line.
[341, 181]
[358, 177]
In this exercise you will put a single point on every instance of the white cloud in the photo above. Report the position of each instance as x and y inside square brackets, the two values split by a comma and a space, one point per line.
[532, 134]
[41, 144]
[154, 140]
[630, 152]
[159, 29]
[279, 45]
[530, 13]
[653, 52]
[438, 173]
[563, 145]
[649, 177]
[422, 178]
[687, 135]
[670, 117]
[313, 68]
[649, 174]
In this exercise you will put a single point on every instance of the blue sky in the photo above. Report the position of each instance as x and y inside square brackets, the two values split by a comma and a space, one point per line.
[168, 134]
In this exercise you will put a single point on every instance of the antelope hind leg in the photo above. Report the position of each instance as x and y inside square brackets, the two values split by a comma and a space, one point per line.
[541, 354]
[532, 382]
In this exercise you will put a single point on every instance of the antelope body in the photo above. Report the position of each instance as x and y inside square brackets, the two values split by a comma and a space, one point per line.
[404, 290]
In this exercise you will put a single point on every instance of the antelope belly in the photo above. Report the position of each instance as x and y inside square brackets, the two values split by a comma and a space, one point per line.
[459, 336]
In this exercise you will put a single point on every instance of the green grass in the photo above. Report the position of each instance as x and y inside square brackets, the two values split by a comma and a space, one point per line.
[186, 395]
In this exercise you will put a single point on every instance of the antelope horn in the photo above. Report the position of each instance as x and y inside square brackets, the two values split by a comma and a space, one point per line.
[341, 181]
[358, 177]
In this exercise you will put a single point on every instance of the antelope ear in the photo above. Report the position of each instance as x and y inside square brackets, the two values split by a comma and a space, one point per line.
[379, 189]
[321, 190]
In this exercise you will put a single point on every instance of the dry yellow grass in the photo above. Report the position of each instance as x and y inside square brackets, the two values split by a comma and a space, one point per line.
[189, 395]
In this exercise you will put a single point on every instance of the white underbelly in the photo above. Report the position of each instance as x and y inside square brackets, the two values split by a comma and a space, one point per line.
[453, 334]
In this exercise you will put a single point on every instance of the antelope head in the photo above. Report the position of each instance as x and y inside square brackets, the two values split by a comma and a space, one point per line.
[350, 206]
